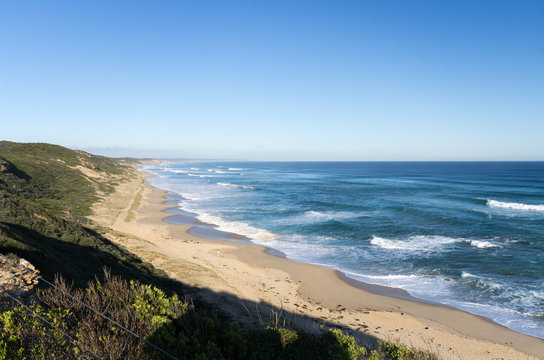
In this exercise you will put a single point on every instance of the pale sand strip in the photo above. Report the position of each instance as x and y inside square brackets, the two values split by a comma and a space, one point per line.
[245, 273]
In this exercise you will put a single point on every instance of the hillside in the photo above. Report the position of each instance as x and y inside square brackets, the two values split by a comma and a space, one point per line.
[45, 193]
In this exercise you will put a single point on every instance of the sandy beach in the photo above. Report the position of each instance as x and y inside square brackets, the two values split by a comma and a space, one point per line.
[253, 285]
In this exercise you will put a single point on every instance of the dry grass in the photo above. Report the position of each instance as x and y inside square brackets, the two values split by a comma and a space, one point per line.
[135, 205]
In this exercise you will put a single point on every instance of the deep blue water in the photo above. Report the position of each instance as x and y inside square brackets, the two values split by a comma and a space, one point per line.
[470, 235]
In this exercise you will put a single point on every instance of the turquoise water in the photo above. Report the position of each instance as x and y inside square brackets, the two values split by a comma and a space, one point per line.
[470, 235]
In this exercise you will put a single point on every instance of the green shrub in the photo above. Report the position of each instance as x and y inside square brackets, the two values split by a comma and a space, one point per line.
[395, 351]
[374, 355]
[287, 336]
[154, 306]
[24, 336]
[342, 346]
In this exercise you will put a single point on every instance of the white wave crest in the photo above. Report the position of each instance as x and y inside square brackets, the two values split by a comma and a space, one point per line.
[235, 169]
[237, 227]
[306, 249]
[187, 196]
[313, 217]
[227, 184]
[390, 277]
[317, 216]
[235, 186]
[200, 176]
[482, 244]
[418, 243]
[514, 206]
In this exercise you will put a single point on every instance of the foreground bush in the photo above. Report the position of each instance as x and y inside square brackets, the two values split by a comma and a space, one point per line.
[25, 336]
[167, 322]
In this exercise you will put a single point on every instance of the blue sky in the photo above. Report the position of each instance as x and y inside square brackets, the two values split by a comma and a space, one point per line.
[276, 80]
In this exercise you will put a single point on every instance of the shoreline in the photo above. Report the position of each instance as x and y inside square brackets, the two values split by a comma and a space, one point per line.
[325, 295]
[207, 230]
[181, 217]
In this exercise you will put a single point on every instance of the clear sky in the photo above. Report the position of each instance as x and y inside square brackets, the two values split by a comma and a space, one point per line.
[276, 80]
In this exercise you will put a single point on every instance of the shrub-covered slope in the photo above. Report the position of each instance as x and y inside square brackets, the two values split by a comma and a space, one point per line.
[45, 193]
[63, 181]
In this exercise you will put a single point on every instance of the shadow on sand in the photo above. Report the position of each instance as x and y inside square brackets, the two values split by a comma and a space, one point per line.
[215, 311]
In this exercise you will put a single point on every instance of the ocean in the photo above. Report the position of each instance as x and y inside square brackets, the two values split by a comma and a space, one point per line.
[465, 234]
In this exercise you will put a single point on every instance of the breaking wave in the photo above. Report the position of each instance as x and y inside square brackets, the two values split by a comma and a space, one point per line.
[418, 243]
[200, 176]
[235, 186]
[514, 206]
[236, 227]
[315, 217]
[482, 244]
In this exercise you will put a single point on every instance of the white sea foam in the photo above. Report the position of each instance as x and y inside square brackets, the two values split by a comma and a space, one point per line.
[227, 184]
[236, 169]
[427, 243]
[425, 287]
[494, 285]
[485, 284]
[200, 176]
[439, 289]
[482, 244]
[188, 196]
[419, 242]
[514, 206]
[236, 227]
[311, 217]
[316, 216]
[391, 277]
[328, 215]
[235, 186]
[312, 249]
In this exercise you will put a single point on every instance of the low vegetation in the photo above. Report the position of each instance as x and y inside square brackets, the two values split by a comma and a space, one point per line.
[173, 325]
[45, 193]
